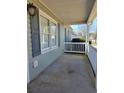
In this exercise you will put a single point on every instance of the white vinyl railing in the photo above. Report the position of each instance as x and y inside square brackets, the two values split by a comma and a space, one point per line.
[92, 55]
[75, 47]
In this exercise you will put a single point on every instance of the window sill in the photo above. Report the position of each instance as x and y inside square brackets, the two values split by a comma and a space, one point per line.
[46, 50]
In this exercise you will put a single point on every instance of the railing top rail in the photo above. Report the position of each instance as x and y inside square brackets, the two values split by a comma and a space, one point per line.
[93, 47]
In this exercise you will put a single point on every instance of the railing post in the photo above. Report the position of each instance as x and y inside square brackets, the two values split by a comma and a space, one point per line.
[86, 39]
[85, 48]
[71, 47]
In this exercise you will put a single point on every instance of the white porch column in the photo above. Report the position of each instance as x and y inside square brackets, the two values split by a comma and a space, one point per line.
[87, 39]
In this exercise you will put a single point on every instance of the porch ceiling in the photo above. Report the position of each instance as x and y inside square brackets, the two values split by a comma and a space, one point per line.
[70, 11]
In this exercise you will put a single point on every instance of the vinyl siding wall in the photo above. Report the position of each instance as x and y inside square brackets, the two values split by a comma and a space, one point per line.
[44, 60]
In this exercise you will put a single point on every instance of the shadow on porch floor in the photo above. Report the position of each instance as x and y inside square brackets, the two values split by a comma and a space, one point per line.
[71, 73]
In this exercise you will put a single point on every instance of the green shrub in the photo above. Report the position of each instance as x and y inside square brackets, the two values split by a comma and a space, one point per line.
[78, 40]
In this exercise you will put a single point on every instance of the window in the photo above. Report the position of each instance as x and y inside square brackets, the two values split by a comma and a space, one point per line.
[53, 33]
[44, 33]
[48, 33]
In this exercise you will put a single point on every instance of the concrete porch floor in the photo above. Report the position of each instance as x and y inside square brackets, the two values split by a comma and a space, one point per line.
[71, 73]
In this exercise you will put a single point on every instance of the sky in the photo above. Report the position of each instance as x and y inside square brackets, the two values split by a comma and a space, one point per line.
[93, 27]
[80, 27]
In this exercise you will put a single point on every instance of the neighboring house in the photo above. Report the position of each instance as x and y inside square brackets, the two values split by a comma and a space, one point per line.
[68, 33]
[77, 34]
[92, 37]
[80, 31]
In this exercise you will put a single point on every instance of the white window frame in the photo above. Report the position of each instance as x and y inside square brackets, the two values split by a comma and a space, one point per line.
[50, 48]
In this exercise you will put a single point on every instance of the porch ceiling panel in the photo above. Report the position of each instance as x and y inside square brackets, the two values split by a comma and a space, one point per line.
[70, 11]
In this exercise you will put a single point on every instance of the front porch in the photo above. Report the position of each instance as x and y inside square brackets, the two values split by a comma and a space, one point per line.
[70, 73]
[50, 68]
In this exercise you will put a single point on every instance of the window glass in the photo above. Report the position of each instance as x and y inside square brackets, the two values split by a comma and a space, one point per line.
[45, 41]
[53, 33]
[44, 25]
[44, 33]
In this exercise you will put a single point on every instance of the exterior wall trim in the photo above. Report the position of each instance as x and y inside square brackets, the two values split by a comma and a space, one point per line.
[46, 16]
[93, 13]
